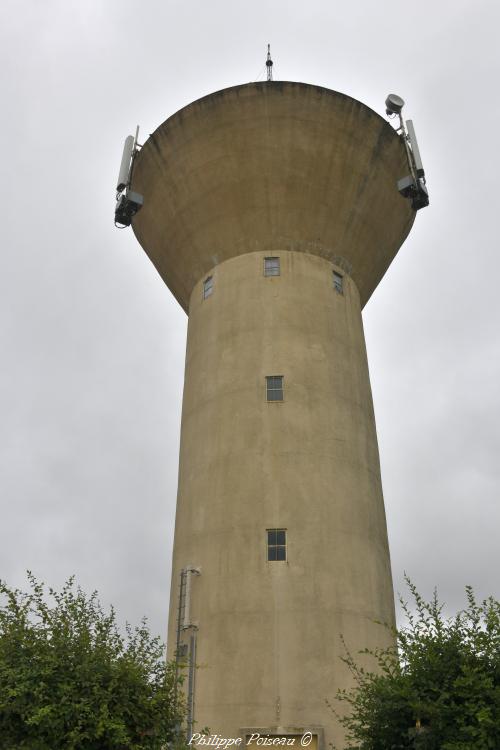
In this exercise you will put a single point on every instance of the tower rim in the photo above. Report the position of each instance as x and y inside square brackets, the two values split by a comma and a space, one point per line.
[276, 85]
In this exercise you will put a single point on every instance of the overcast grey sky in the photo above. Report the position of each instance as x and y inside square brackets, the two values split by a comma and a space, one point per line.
[92, 342]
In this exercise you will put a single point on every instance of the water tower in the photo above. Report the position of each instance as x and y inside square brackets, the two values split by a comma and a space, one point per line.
[272, 211]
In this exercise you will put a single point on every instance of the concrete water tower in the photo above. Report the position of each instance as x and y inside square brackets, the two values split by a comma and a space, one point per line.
[272, 211]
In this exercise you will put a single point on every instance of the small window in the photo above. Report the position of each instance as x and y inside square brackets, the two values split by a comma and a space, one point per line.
[208, 286]
[274, 387]
[338, 282]
[276, 544]
[271, 266]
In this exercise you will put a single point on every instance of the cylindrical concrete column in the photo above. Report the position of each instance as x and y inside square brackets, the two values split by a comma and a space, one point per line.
[269, 631]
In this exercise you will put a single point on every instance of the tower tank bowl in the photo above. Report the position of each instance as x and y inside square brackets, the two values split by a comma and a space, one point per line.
[271, 166]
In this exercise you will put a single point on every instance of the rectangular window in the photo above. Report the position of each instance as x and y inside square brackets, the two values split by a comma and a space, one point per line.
[276, 544]
[208, 286]
[274, 387]
[271, 266]
[338, 282]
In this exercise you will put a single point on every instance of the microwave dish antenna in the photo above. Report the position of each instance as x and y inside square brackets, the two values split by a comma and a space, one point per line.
[412, 186]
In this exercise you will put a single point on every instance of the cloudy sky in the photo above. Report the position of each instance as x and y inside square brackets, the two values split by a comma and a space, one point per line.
[92, 342]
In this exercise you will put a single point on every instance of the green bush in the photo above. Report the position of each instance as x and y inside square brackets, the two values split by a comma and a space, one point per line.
[69, 680]
[438, 689]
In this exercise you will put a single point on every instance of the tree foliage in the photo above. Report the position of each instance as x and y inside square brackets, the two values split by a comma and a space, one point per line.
[69, 680]
[438, 689]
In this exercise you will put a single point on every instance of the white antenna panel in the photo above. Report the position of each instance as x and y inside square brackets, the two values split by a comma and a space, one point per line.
[415, 150]
[128, 150]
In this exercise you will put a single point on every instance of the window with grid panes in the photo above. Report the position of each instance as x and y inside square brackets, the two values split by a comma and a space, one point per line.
[338, 282]
[276, 544]
[208, 286]
[271, 266]
[274, 387]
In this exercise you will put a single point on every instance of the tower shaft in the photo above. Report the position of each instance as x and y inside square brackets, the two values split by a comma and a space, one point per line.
[269, 642]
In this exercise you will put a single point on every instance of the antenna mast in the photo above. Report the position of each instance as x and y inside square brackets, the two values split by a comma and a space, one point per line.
[269, 64]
